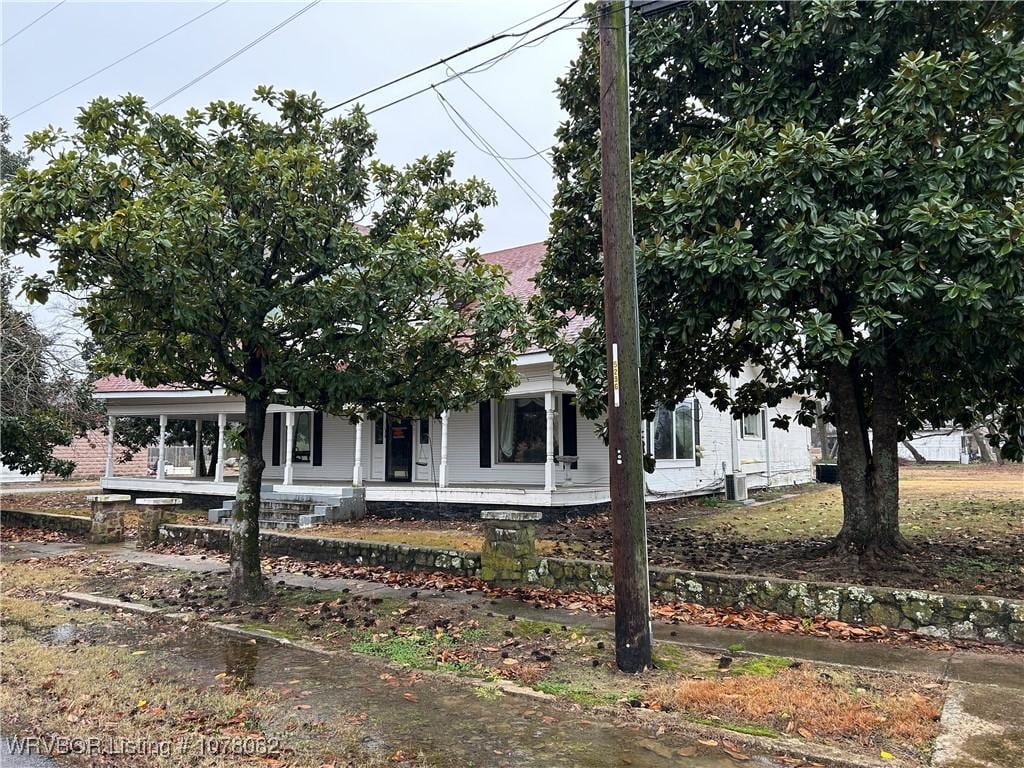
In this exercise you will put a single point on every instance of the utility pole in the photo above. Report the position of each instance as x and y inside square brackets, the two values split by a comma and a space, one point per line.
[625, 453]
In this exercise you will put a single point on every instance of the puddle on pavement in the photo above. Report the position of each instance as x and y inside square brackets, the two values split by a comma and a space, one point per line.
[450, 723]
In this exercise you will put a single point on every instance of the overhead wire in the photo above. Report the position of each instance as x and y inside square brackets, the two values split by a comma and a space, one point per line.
[504, 34]
[236, 54]
[34, 21]
[535, 197]
[127, 56]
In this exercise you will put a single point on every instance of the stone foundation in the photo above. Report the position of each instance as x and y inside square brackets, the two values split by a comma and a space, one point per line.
[107, 517]
[509, 550]
[152, 513]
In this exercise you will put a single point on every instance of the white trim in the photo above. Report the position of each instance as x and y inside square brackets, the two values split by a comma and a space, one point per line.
[161, 462]
[108, 470]
[357, 463]
[289, 426]
[222, 423]
[172, 393]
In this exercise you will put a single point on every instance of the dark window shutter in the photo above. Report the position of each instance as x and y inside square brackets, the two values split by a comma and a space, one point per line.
[696, 431]
[485, 433]
[569, 427]
[275, 451]
[764, 424]
[318, 439]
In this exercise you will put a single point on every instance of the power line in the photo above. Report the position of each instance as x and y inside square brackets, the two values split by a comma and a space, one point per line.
[480, 67]
[488, 63]
[492, 39]
[488, 149]
[501, 117]
[38, 18]
[127, 56]
[236, 54]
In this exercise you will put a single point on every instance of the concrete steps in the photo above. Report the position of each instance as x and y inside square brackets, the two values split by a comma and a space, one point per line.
[284, 510]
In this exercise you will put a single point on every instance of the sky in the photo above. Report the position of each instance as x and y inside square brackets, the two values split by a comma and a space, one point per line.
[336, 48]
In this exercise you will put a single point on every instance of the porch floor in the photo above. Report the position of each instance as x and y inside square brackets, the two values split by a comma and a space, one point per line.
[519, 494]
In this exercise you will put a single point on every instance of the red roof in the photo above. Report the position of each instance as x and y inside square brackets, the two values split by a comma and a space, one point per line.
[124, 384]
[521, 263]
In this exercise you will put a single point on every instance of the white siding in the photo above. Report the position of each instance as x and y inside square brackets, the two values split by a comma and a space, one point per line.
[788, 452]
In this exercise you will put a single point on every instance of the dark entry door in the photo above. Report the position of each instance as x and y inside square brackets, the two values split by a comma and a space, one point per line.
[399, 443]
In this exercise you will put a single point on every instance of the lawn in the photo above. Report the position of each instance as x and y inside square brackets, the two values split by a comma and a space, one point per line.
[967, 525]
[857, 710]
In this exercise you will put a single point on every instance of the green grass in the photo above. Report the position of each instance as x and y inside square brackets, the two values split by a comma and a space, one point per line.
[749, 730]
[415, 650]
[585, 697]
[764, 666]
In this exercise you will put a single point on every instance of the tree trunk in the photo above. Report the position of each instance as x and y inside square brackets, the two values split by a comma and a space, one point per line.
[918, 457]
[868, 465]
[822, 427]
[984, 449]
[247, 582]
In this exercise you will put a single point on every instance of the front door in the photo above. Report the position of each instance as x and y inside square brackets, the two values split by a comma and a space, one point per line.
[399, 451]
[379, 450]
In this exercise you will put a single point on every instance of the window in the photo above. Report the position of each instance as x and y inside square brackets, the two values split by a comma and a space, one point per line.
[671, 432]
[378, 431]
[751, 425]
[522, 431]
[424, 431]
[303, 439]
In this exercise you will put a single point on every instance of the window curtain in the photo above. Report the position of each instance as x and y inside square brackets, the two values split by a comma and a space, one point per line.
[506, 429]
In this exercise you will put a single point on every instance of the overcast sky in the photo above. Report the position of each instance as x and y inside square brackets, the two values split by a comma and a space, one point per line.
[336, 48]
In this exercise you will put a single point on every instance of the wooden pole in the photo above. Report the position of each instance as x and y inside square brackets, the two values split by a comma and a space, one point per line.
[625, 451]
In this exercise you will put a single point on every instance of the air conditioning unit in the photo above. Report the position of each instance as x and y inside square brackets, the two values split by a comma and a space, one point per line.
[736, 487]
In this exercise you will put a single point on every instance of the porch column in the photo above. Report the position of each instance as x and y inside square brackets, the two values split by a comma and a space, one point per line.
[108, 470]
[442, 474]
[357, 465]
[549, 462]
[199, 448]
[289, 443]
[161, 456]
[222, 423]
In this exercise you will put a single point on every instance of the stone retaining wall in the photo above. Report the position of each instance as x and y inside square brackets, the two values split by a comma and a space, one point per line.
[971, 617]
[47, 521]
[966, 617]
[396, 556]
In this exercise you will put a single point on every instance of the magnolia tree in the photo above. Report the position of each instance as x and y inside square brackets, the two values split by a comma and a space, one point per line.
[829, 191]
[264, 251]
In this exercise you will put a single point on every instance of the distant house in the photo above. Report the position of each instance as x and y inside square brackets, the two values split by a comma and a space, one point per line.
[89, 453]
[530, 449]
[941, 445]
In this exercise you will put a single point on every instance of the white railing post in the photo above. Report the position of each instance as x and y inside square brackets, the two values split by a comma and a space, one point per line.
[222, 423]
[549, 462]
[161, 456]
[442, 474]
[199, 448]
[289, 443]
[357, 464]
[108, 470]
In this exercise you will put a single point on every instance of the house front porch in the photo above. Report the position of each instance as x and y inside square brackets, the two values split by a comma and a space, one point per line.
[511, 495]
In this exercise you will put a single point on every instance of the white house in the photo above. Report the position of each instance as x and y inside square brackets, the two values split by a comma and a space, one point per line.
[530, 448]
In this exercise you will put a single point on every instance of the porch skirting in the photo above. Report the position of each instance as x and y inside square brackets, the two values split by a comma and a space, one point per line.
[400, 500]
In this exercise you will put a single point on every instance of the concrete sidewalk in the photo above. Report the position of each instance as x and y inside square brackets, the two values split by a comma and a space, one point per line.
[22, 488]
[983, 720]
